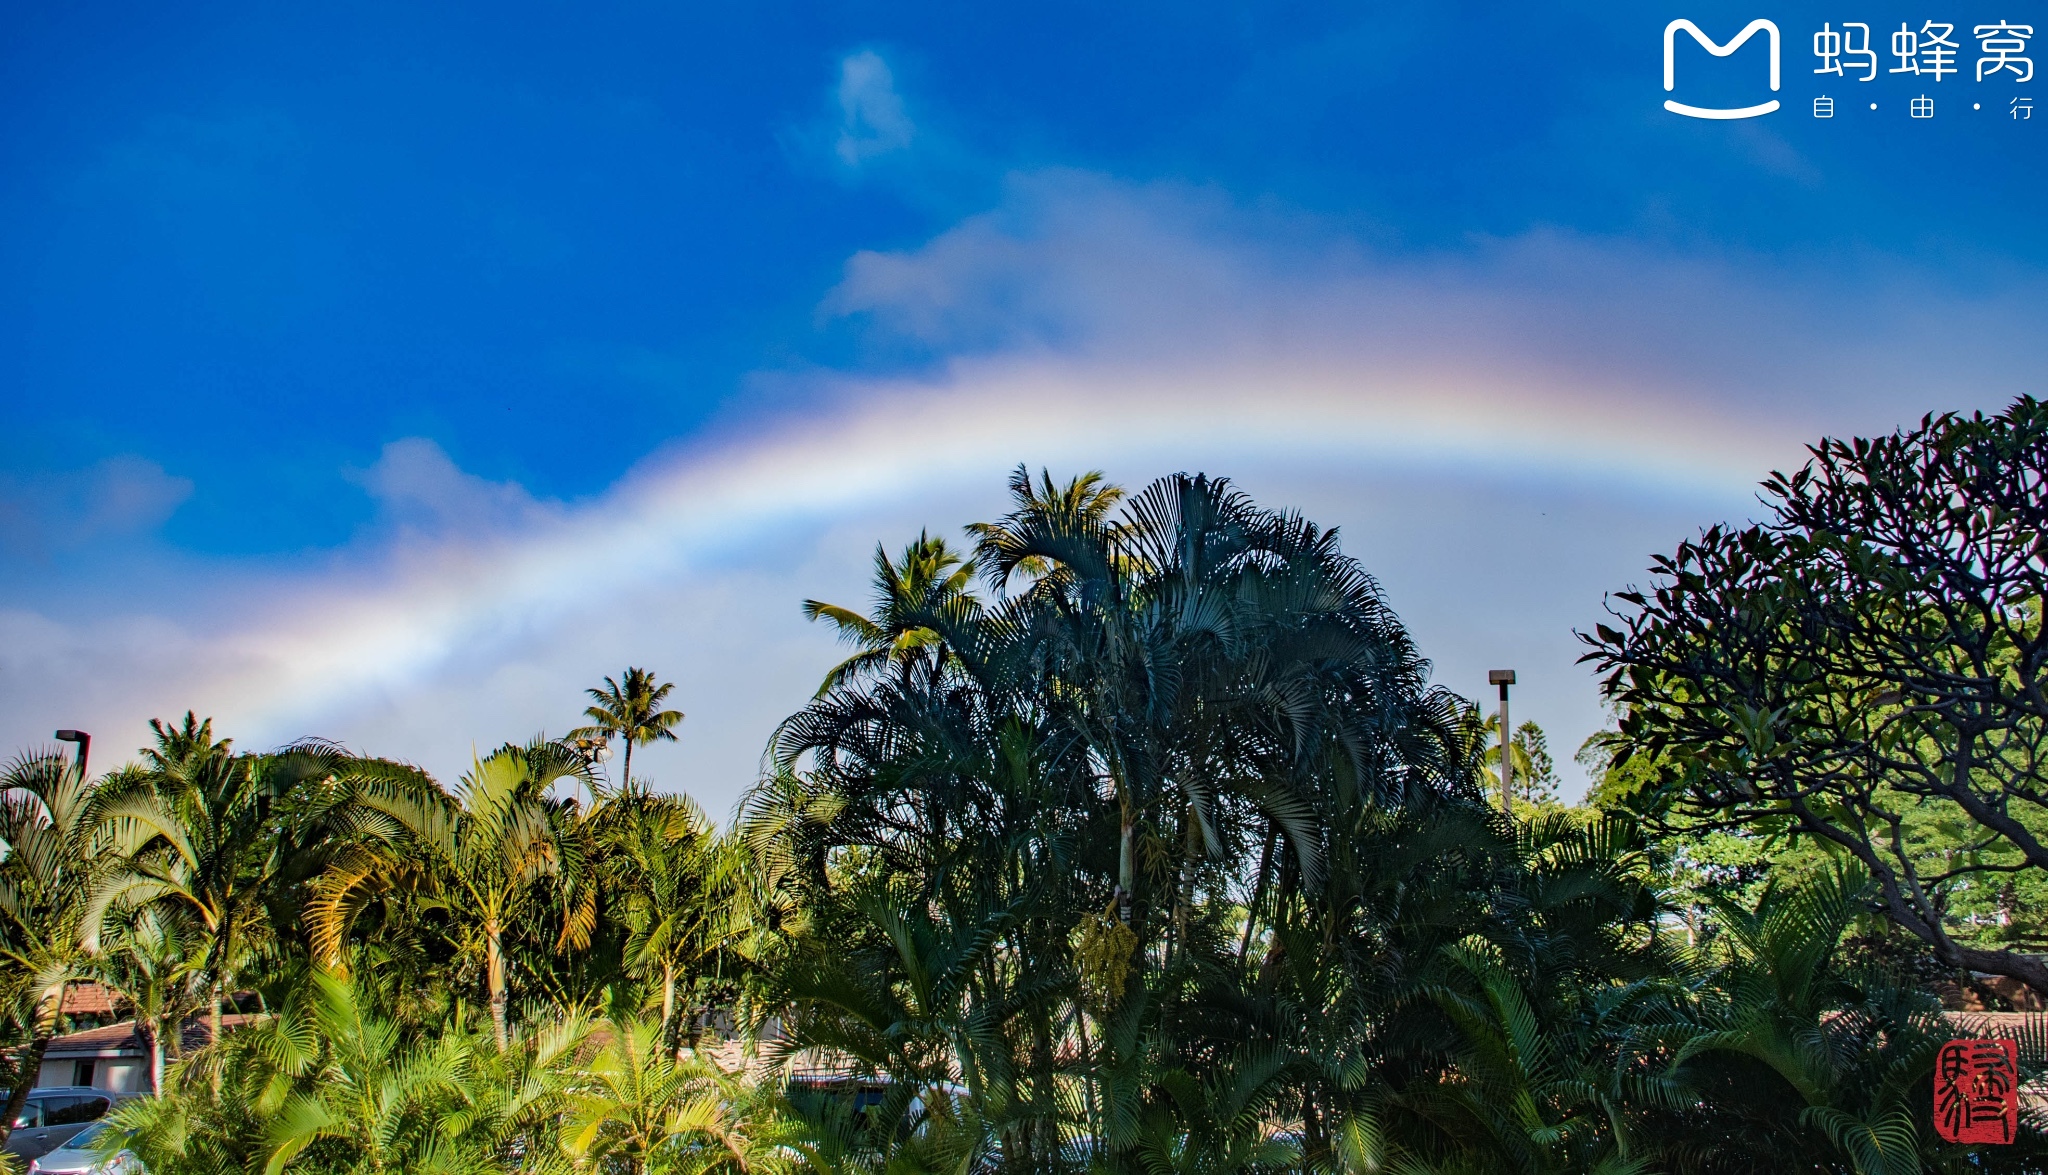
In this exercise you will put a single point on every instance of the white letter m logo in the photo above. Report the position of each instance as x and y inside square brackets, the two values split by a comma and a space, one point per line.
[1707, 43]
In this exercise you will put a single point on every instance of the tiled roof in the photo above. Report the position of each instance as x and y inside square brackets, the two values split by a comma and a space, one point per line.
[113, 1038]
[122, 1038]
[88, 999]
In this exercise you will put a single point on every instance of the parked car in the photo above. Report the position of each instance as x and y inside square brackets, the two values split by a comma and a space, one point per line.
[53, 1115]
[81, 1156]
[845, 1093]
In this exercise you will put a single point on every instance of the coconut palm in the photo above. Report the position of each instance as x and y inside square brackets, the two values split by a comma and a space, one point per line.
[54, 857]
[495, 850]
[630, 710]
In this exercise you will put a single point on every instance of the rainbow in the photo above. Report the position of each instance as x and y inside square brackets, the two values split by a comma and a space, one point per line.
[377, 628]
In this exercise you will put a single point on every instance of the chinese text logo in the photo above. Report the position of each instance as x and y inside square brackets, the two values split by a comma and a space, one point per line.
[1976, 1090]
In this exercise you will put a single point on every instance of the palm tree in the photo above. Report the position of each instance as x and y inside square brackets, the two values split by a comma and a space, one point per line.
[1797, 1050]
[54, 857]
[194, 827]
[640, 1109]
[929, 580]
[677, 882]
[1218, 1123]
[330, 1084]
[902, 999]
[150, 962]
[630, 710]
[495, 848]
[1207, 651]
[1156, 690]
[1531, 1094]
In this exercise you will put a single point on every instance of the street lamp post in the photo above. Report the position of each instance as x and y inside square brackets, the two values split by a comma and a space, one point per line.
[84, 742]
[594, 751]
[1504, 678]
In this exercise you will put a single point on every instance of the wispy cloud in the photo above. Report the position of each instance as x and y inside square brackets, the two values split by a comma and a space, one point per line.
[116, 497]
[1079, 264]
[872, 120]
[424, 496]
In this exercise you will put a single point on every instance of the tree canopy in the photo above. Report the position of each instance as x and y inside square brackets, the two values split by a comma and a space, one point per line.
[1133, 838]
[1867, 666]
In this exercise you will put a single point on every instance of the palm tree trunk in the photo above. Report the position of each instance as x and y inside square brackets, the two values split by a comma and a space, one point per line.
[156, 1058]
[31, 1062]
[1251, 913]
[494, 976]
[1091, 1077]
[627, 768]
[1184, 886]
[214, 1016]
[668, 1003]
[221, 946]
[1315, 1141]
[1126, 870]
[1043, 1143]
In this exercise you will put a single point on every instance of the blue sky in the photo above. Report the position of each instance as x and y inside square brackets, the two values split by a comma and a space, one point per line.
[389, 373]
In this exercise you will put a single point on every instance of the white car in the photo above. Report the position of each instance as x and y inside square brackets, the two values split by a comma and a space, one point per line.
[81, 1156]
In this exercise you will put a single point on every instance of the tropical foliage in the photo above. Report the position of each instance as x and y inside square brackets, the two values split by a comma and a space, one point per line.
[1132, 837]
[1867, 668]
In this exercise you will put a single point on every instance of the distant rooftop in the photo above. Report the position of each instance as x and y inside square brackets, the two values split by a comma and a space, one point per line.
[88, 999]
[123, 1039]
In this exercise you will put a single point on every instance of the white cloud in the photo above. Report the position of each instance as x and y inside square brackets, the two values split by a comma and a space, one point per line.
[423, 494]
[1079, 264]
[1504, 433]
[872, 120]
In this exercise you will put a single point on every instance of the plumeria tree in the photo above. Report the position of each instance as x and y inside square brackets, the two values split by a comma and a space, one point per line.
[1866, 664]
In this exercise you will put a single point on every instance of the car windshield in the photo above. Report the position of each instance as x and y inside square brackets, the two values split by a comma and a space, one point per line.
[85, 1139]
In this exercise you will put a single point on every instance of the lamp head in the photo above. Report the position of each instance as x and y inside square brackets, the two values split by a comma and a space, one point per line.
[1500, 677]
[72, 736]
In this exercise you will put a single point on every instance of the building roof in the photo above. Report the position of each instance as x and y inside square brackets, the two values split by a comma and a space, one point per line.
[88, 999]
[122, 1039]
